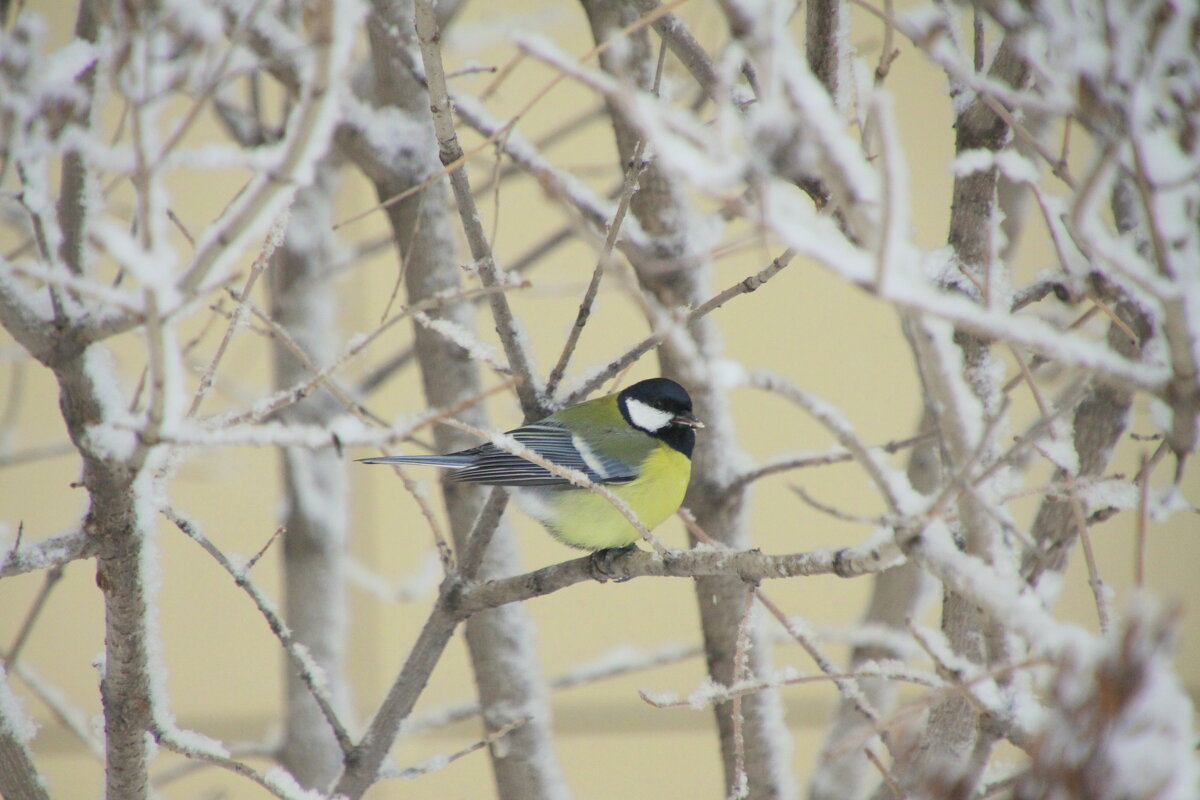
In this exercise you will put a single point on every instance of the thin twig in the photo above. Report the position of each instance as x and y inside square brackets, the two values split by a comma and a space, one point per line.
[889, 779]
[272, 242]
[73, 719]
[519, 359]
[254, 559]
[602, 263]
[748, 687]
[298, 660]
[189, 766]
[837, 513]
[822, 460]
[175, 744]
[510, 445]
[628, 188]
[1143, 513]
[1089, 557]
[441, 762]
[745, 286]
[53, 576]
[489, 140]
[849, 688]
[891, 484]
[889, 52]
[301, 390]
[281, 334]
[47, 553]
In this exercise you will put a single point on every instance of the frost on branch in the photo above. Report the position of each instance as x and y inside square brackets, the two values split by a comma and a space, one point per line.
[1057, 300]
[1118, 724]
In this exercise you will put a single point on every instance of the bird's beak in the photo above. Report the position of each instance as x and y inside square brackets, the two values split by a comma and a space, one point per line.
[688, 420]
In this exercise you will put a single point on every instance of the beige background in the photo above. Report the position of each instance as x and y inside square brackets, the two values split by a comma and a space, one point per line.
[831, 338]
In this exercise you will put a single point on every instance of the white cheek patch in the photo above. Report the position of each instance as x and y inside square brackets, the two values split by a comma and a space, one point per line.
[646, 417]
[589, 457]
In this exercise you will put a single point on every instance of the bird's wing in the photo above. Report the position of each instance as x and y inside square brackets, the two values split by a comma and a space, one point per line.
[551, 441]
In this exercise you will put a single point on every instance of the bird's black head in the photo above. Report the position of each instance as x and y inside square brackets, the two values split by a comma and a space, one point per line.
[663, 409]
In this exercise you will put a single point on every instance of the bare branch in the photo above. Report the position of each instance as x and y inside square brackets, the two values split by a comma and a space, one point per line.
[299, 658]
[605, 262]
[48, 553]
[744, 565]
[451, 152]
[19, 778]
[745, 286]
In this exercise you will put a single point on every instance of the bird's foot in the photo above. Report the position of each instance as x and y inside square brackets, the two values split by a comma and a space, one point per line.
[602, 563]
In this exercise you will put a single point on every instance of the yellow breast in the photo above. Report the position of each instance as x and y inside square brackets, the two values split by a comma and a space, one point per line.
[584, 519]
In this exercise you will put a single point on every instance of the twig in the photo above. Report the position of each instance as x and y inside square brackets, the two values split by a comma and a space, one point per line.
[281, 334]
[270, 245]
[450, 151]
[603, 262]
[482, 531]
[445, 554]
[1089, 557]
[441, 762]
[603, 667]
[747, 687]
[494, 136]
[53, 576]
[378, 375]
[892, 784]
[574, 476]
[836, 513]
[849, 688]
[965, 687]
[299, 661]
[1139, 548]
[48, 553]
[73, 719]
[405, 256]
[169, 740]
[170, 774]
[745, 286]
[156, 370]
[309, 129]
[1077, 512]
[747, 565]
[254, 559]
[363, 762]
[823, 459]
[888, 53]
[627, 194]
[685, 47]
[301, 390]
[887, 480]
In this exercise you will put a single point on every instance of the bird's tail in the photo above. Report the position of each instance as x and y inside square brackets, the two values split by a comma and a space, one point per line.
[449, 462]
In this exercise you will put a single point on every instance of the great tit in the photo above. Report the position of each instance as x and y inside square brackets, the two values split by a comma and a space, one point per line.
[637, 443]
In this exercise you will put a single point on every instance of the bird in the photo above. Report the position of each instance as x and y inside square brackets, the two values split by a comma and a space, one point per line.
[637, 442]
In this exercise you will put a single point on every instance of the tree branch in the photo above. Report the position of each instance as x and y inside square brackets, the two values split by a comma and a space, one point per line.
[745, 565]
[19, 777]
[451, 152]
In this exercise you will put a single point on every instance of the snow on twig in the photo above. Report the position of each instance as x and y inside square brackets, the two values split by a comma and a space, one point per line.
[305, 667]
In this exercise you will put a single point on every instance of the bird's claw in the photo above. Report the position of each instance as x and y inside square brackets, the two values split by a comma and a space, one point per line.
[602, 563]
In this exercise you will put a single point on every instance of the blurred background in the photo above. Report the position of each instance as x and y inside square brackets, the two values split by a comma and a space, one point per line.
[832, 339]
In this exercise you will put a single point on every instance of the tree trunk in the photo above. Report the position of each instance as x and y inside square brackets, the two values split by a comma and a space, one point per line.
[500, 642]
[314, 485]
[680, 278]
